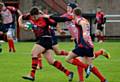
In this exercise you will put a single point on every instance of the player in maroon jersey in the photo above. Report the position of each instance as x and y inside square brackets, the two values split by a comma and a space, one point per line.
[100, 21]
[55, 45]
[44, 42]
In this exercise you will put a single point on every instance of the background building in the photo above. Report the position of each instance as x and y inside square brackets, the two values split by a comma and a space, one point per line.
[110, 7]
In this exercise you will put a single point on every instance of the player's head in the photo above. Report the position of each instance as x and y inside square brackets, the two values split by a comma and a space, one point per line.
[77, 12]
[71, 6]
[99, 9]
[36, 12]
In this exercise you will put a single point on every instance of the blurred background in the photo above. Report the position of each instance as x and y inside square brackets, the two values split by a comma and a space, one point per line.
[58, 7]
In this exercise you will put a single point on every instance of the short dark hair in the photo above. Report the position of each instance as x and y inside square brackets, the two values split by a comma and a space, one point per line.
[34, 11]
[99, 7]
[72, 5]
[77, 11]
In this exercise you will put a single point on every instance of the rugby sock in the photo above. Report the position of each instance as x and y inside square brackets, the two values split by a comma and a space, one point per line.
[98, 53]
[9, 44]
[12, 45]
[80, 73]
[5, 37]
[64, 53]
[34, 66]
[97, 73]
[98, 37]
[102, 38]
[79, 63]
[40, 61]
[59, 66]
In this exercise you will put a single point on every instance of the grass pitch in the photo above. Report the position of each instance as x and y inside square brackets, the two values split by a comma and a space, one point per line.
[14, 65]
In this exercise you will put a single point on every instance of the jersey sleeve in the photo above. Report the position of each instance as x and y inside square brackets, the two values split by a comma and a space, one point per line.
[12, 9]
[104, 18]
[51, 22]
[26, 17]
[61, 19]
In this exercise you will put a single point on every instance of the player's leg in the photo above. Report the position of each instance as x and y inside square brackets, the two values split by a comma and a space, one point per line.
[93, 69]
[55, 47]
[58, 51]
[80, 70]
[102, 35]
[13, 34]
[97, 34]
[57, 64]
[102, 52]
[37, 49]
[1, 34]
[71, 58]
[80, 73]
[39, 66]
[10, 40]
[0, 48]
[96, 72]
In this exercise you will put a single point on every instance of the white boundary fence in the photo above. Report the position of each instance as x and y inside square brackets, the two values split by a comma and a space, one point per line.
[111, 20]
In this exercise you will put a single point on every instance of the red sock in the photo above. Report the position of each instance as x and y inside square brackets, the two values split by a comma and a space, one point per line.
[40, 61]
[97, 73]
[59, 66]
[12, 45]
[9, 44]
[80, 73]
[102, 38]
[98, 53]
[34, 66]
[79, 63]
[64, 53]
[98, 37]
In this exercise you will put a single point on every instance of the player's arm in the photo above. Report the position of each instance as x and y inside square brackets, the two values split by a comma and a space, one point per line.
[27, 25]
[58, 18]
[62, 32]
[1, 32]
[56, 25]
[104, 18]
[19, 12]
[20, 22]
[61, 19]
[85, 28]
[15, 10]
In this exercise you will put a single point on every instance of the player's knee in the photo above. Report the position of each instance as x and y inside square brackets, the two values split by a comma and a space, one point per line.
[67, 59]
[57, 52]
[34, 54]
[51, 62]
[9, 35]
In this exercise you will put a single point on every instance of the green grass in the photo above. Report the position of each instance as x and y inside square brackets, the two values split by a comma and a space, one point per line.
[14, 65]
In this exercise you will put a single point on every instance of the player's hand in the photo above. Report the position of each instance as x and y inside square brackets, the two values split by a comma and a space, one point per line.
[62, 32]
[102, 25]
[1, 32]
[46, 16]
[72, 39]
[25, 29]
